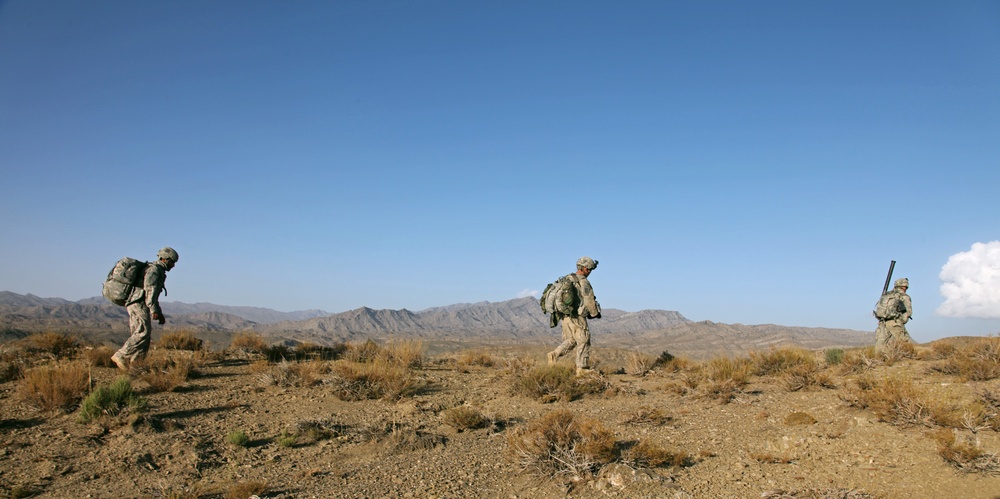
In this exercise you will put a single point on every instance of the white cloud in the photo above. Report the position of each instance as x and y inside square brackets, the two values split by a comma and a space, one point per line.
[970, 283]
[529, 292]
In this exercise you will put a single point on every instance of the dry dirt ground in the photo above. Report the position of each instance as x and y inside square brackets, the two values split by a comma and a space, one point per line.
[748, 447]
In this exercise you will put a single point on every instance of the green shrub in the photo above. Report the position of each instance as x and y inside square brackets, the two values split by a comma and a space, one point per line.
[238, 438]
[833, 356]
[111, 400]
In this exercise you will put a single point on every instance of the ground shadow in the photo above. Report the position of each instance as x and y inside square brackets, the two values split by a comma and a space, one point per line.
[190, 413]
[20, 424]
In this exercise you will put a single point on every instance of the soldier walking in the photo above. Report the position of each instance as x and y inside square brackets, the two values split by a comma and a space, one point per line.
[143, 307]
[575, 332]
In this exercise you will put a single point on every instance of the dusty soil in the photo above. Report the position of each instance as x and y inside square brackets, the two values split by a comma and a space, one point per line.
[404, 448]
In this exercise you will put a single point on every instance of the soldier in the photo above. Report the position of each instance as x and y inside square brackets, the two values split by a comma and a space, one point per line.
[894, 328]
[143, 305]
[575, 332]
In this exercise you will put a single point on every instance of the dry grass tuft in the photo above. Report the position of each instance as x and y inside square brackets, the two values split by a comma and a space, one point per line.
[59, 387]
[464, 418]
[965, 454]
[378, 379]
[243, 490]
[548, 384]
[405, 353]
[284, 373]
[646, 415]
[776, 362]
[181, 340]
[638, 364]
[977, 361]
[99, 356]
[896, 400]
[363, 353]
[249, 343]
[725, 378]
[163, 372]
[59, 346]
[561, 443]
[475, 358]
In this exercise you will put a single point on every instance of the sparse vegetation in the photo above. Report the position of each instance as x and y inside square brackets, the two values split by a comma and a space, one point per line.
[548, 384]
[238, 438]
[181, 340]
[638, 364]
[248, 343]
[55, 387]
[58, 345]
[111, 401]
[243, 490]
[562, 443]
[377, 379]
[464, 418]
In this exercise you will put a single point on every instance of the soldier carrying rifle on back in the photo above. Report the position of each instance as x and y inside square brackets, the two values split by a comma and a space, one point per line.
[893, 310]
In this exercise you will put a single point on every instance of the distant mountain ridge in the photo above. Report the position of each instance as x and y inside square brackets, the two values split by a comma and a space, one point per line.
[513, 321]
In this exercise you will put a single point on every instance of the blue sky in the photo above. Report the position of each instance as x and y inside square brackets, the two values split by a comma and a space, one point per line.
[739, 162]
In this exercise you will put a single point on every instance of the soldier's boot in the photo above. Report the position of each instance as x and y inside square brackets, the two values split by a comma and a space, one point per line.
[583, 371]
[119, 361]
[552, 357]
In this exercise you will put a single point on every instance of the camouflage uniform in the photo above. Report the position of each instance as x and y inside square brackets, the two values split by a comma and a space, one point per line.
[575, 331]
[895, 329]
[142, 305]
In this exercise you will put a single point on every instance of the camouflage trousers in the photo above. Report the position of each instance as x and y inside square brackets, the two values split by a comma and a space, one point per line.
[575, 334]
[141, 328]
[890, 330]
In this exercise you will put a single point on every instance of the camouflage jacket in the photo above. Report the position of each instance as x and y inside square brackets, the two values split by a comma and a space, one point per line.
[904, 315]
[153, 283]
[588, 302]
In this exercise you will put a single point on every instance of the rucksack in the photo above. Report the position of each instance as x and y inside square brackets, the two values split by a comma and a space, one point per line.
[888, 306]
[123, 279]
[560, 296]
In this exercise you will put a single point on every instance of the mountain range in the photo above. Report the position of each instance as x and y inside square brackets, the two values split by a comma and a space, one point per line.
[517, 321]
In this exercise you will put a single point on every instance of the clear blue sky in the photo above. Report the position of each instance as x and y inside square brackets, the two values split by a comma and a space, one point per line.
[739, 162]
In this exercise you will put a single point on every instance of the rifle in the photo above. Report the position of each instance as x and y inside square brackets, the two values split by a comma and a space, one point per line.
[888, 278]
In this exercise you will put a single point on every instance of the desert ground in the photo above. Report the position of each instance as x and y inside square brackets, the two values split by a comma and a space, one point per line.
[390, 420]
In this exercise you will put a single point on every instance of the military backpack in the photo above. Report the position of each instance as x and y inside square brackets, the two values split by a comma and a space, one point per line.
[560, 296]
[889, 306]
[124, 277]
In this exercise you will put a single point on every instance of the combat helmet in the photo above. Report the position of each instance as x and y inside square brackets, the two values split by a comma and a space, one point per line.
[902, 282]
[586, 262]
[167, 253]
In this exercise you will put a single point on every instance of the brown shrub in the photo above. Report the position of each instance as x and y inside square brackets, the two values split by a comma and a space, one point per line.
[647, 415]
[181, 340]
[372, 380]
[56, 344]
[59, 387]
[248, 343]
[562, 443]
[99, 356]
[638, 364]
[244, 490]
[464, 418]
[977, 361]
[965, 454]
[363, 352]
[548, 384]
[284, 373]
[405, 353]
[898, 401]
[778, 361]
[476, 358]
[164, 373]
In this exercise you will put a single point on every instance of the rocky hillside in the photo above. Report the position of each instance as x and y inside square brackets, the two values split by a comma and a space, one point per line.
[518, 321]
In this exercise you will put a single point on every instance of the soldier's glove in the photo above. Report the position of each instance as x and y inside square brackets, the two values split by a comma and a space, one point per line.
[598, 316]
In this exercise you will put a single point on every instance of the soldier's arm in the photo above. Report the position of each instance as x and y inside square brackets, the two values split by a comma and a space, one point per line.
[588, 302]
[153, 284]
[909, 308]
